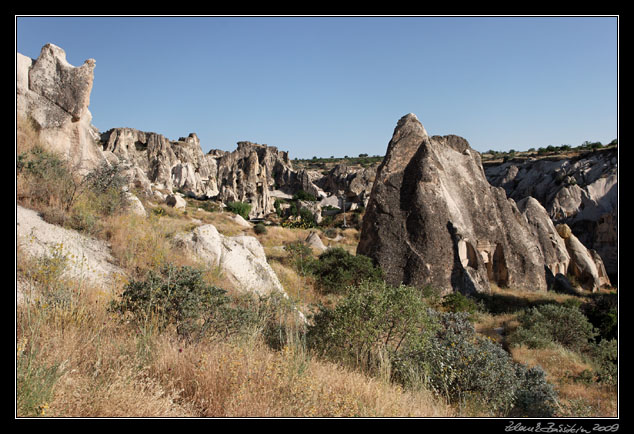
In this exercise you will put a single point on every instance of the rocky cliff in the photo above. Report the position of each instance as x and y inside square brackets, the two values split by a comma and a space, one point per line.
[581, 192]
[433, 218]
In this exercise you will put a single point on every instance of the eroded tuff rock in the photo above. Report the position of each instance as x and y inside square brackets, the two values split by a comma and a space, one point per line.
[581, 192]
[433, 218]
[585, 264]
[155, 162]
[241, 258]
[55, 96]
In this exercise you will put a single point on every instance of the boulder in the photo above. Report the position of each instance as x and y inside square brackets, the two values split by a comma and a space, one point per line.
[87, 259]
[314, 242]
[241, 259]
[552, 245]
[176, 201]
[434, 219]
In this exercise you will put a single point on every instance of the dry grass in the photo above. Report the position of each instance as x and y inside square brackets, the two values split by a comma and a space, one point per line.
[228, 380]
[563, 367]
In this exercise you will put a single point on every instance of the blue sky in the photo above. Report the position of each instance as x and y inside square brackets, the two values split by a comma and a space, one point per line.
[322, 86]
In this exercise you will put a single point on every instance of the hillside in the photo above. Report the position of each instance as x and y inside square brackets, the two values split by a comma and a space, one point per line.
[153, 280]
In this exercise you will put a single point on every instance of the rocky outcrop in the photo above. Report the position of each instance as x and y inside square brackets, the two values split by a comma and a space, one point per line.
[353, 184]
[55, 96]
[552, 245]
[240, 258]
[85, 258]
[581, 192]
[154, 162]
[249, 173]
[585, 265]
[433, 218]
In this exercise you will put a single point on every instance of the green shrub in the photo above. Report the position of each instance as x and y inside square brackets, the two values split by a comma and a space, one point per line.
[240, 208]
[259, 228]
[179, 296]
[457, 302]
[602, 312]
[338, 269]
[373, 320]
[605, 355]
[543, 325]
[302, 195]
[47, 178]
[300, 257]
[463, 366]
[534, 396]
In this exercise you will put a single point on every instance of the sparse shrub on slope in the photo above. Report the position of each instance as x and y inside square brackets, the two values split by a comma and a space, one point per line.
[241, 208]
[180, 296]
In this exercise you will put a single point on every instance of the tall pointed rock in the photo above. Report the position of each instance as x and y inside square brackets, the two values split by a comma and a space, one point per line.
[433, 218]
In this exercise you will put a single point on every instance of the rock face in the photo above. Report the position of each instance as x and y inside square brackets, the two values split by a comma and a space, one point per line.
[553, 247]
[86, 258]
[55, 95]
[241, 258]
[433, 218]
[581, 192]
[250, 173]
[585, 265]
[155, 162]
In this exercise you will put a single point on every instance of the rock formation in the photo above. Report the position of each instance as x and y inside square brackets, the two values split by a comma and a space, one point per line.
[249, 173]
[55, 96]
[585, 265]
[433, 218]
[155, 162]
[581, 192]
[241, 258]
[553, 247]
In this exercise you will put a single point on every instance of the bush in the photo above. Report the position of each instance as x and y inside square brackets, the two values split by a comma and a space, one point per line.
[605, 355]
[337, 269]
[46, 179]
[179, 296]
[464, 366]
[374, 319]
[302, 195]
[300, 257]
[240, 208]
[457, 302]
[259, 228]
[543, 325]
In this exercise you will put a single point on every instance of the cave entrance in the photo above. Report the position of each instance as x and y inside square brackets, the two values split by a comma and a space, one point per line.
[496, 268]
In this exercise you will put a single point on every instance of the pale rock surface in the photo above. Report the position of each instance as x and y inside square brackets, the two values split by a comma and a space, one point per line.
[314, 241]
[585, 264]
[433, 218]
[581, 192]
[176, 201]
[55, 96]
[242, 258]
[87, 259]
[551, 243]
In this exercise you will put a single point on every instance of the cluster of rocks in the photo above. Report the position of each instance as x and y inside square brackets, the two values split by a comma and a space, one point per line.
[433, 218]
[581, 192]
[434, 215]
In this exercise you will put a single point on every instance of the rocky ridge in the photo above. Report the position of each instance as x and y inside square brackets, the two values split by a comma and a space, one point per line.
[433, 218]
[581, 192]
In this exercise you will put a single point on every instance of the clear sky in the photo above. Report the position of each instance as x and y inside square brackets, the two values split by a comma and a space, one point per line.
[332, 85]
